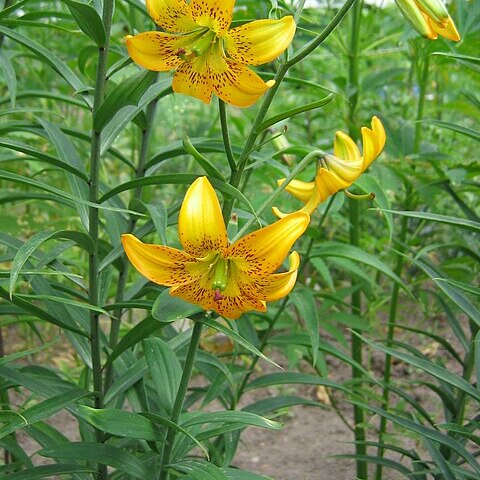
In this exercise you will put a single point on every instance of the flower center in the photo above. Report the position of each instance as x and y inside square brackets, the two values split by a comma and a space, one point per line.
[220, 274]
[198, 43]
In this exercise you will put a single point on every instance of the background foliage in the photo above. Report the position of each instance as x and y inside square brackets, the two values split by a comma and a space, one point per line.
[118, 360]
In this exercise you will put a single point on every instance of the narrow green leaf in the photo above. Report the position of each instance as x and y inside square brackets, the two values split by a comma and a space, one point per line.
[294, 111]
[48, 471]
[456, 128]
[99, 453]
[165, 370]
[38, 312]
[451, 291]
[10, 77]
[337, 249]
[167, 309]
[34, 242]
[42, 410]
[50, 59]
[454, 221]
[305, 303]
[237, 338]
[41, 156]
[207, 166]
[228, 416]
[67, 151]
[427, 366]
[159, 216]
[458, 56]
[128, 92]
[88, 20]
[120, 423]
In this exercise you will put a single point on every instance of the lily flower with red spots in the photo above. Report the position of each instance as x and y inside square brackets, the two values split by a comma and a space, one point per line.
[338, 171]
[228, 278]
[208, 57]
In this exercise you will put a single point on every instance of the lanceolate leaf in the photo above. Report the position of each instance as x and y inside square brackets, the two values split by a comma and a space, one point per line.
[88, 20]
[49, 58]
[305, 303]
[29, 247]
[99, 453]
[48, 471]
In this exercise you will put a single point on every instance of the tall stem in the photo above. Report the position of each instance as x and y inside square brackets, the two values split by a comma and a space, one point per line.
[281, 308]
[180, 397]
[93, 224]
[123, 274]
[392, 314]
[354, 215]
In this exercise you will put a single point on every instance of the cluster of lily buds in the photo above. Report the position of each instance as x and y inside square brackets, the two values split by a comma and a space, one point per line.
[429, 18]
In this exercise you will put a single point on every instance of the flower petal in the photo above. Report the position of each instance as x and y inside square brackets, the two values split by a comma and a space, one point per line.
[233, 82]
[344, 147]
[229, 306]
[279, 285]
[259, 42]
[200, 222]
[261, 252]
[160, 264]
[155, 50]
[214, 14]
[301, 190]
[448, 30]
[379, 130]
[171, 15]
[193, 78]
[373, 141]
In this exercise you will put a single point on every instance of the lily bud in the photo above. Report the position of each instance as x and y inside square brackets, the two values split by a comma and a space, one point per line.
[429, 18]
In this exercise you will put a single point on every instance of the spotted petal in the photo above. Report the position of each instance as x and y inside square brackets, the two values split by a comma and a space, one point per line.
[155, 50]
[261, 41]
[229, 306]
[171, 15]
[261, 252]
[214, 14]
[193, 78]
[160, 264]
[200, 223]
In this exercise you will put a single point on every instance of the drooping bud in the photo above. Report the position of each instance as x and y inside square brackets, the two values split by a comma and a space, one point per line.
[413, 15]
[435, 9]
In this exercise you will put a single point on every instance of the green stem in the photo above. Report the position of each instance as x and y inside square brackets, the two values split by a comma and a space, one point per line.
[93, 213]
[392, 319]
[354, 215]
[281, 308]
[236, 175]
[226, 135]
[271, 199]
[392, 315]
[123, 274]
[180, 397]
[421, 102]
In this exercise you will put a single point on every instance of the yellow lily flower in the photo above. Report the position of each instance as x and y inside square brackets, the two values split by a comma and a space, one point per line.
[208, 57]
[430, 18]
[228, 278]
[338, 171]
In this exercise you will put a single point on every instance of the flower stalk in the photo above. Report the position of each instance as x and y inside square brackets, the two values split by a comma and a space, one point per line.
[354, 234]
[94, 221]
[180, 397]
